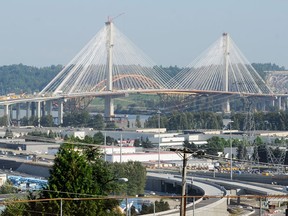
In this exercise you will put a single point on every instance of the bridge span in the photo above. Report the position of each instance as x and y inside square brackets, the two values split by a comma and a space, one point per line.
[111, 66]
[43, 103]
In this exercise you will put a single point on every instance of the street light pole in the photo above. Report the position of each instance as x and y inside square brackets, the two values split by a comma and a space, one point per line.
[231, 158]
[105, 147]
[126, 199]
[158, 112]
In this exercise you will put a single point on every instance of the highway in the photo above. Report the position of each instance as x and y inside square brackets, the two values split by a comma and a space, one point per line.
[260, 189]
[212, 205]
[212, 188]
[209, 189]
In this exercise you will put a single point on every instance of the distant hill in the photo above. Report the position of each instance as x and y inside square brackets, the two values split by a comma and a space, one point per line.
[25, 79]
[28, 79]
[264, 68]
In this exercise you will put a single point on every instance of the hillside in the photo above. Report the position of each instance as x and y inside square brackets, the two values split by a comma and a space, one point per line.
[25, 79]
[28, 79]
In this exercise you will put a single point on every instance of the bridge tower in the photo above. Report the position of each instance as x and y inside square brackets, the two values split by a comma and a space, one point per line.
[109, 102]
[225, 39]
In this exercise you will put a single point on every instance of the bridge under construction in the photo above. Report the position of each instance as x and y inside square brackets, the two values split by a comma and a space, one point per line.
[111, 66]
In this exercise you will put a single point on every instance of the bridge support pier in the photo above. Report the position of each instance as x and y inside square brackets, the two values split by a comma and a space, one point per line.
[226, 106]
[109, 108]
[273, 102]
[264, 106]
[10, 113]
[18, 114]
[280, 103]
[38, 112]
[6, 109]
[43, 111]
[60, 111]
[49, 107]
[28, 111]
[33, 108]
[6, 113]
[284, 104]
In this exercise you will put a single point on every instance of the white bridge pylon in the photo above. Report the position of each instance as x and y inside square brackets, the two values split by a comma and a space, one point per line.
[110, 61]
[222, 67]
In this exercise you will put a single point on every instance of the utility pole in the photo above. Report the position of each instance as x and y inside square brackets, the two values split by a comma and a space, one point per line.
[185, 154]
[159, 113]
[105, 147]
[231, 152]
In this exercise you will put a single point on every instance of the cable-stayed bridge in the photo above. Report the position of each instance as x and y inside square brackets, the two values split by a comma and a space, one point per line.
[110, 65]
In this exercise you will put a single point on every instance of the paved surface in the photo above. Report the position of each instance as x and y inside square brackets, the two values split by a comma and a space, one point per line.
[209, 190]
[259, 188]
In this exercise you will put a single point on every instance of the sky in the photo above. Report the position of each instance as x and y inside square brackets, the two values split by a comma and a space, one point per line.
[171, 32]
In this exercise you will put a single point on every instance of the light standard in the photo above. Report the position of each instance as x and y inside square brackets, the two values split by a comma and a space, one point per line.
[105, 147]
[230, 138]
[158, 112]
[125, 180]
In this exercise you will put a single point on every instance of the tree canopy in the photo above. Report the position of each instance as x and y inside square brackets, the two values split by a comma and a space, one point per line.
[80, 172]
[25, 79]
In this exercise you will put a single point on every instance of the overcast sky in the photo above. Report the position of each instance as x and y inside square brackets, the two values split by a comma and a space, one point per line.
[170, 32]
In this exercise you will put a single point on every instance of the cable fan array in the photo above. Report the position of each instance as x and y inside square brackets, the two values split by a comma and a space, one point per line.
[87, 71]
[208, 71]
[222, 67]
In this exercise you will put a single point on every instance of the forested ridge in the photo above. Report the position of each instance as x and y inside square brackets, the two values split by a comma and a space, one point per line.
[19, 78]
[25, 79]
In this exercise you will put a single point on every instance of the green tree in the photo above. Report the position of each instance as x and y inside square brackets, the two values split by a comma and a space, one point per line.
[47, 121]
[24, 121]
[74, 175]
[262, 153]
[189, 145]
[136, 174]
[137, 143]
[97, 122]
[215, 144]
[110, 125]
[88, 139]
[7, 188]
[147, 143]
[241, 152]
[159, 206]
[3, 120]
[33, 120]
[138, 122]
[98, 138]
[18, 208]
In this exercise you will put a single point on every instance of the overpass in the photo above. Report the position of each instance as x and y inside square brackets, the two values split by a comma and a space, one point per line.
[215, 188]
[216, 205]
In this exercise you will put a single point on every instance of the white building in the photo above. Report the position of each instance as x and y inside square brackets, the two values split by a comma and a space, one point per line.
[69, 133]
[166, 139]
[118, 149]
[142, 157]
